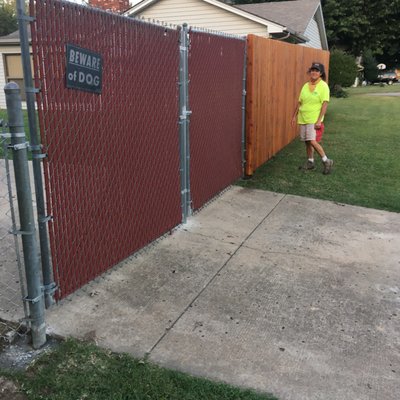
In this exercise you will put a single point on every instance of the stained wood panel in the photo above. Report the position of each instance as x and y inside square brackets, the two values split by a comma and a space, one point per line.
[275, 73]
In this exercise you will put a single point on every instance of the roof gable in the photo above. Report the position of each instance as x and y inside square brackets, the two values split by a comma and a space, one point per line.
[295, 14]
[139, 6]
[13, 38]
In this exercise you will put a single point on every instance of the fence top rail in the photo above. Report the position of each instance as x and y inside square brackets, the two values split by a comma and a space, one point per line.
[217, 33]
[157, 22]
[142, 20]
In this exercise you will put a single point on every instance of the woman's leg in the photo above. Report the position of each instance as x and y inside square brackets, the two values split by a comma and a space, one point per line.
[309, 150]
[309, 164]
[318, 148]
[327, 162]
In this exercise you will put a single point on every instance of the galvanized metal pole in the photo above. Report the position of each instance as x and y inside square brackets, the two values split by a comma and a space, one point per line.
[244, 111]
[19, 146]
[188, 113]
[184, 123]
[48, 280]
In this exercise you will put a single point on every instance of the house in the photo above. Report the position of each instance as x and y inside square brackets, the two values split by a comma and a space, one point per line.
[213, 15]
[11, 65]
[297, 21]
[116, 6]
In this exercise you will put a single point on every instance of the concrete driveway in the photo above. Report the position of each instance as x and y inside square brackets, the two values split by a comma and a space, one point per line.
[391, 94]
[284, 294]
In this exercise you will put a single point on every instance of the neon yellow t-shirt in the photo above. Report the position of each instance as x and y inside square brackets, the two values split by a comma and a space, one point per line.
[311, 102]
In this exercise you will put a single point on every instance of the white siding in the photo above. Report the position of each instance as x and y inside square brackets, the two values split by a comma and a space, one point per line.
[312, 32]
[2, 83]
[199, 14]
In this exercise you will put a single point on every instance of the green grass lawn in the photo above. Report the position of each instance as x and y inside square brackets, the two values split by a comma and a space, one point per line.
[377, 88]
[76, 370]
[4, 117]
[362, 136]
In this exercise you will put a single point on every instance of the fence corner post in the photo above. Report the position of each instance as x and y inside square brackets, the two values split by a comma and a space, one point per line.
[184, 119]
[48, 278]
[244, 93]
[19, 147]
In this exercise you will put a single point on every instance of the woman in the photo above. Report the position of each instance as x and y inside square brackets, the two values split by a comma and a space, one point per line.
[309, 114]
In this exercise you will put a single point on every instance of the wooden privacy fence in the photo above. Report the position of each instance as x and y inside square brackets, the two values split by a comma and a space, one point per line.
[275, 73]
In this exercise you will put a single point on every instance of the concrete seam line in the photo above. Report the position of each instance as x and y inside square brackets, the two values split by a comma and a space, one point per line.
[211, 280]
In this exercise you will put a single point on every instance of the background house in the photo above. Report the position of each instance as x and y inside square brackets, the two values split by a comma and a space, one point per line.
[298, 21]
[117, 6]
[214, 15]
[10, 64]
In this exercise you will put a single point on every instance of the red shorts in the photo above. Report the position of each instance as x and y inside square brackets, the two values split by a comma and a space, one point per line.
[320, 132]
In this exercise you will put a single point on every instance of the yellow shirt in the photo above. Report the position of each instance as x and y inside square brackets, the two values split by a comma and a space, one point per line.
[311, 102]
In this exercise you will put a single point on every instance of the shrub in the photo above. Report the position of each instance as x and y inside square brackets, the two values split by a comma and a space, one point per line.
[337, 91]
[370, 70]
[342, 70]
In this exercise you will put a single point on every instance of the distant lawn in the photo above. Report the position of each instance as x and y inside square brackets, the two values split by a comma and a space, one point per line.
[4, 117]
[77, 370]
[377, 88]
[362, 136]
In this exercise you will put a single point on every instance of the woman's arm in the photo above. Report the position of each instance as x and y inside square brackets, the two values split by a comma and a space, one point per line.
[321, 114]
[294, 118]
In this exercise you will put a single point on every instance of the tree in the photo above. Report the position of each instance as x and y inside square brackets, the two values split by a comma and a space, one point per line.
[386, 17]
[347, 25]
[358, 25]
[8, 18]
[342, 69]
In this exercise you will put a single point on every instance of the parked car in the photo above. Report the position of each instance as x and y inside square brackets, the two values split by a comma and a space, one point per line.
[388, 77]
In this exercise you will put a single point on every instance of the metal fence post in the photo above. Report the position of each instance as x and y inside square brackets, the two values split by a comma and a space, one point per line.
[19, 147]
[184, 123]
[48, 280]
[244, 111]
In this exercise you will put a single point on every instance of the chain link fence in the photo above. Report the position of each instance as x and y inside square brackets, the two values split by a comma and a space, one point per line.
[216, 68]
[112, 166]
[114, 158]
[13, 310]
[113, 162]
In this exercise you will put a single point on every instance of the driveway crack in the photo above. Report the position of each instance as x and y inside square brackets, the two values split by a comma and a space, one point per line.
[211, 280]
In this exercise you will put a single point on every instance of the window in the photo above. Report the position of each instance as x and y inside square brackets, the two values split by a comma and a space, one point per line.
[14, 72]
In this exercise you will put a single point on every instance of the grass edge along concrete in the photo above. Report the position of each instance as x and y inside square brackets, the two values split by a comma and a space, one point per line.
[75, 369]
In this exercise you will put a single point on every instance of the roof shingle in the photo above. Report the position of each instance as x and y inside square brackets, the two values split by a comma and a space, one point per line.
[295, 14]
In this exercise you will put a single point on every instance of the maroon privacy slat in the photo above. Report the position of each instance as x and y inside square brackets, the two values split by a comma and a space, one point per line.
[215, 96]
[112, 173]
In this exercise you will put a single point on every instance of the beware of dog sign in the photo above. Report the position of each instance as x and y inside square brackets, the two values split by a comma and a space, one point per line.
[84, 69]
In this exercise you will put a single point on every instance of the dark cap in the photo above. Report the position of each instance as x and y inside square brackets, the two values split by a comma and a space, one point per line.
[320, 67]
